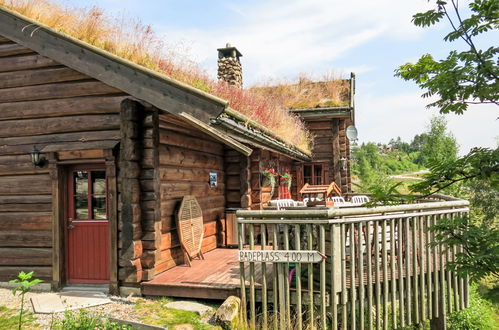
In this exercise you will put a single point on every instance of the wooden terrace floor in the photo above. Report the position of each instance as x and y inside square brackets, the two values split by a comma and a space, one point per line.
[216, 277]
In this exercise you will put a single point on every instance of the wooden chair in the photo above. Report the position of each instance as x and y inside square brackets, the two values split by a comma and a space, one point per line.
[190, 228]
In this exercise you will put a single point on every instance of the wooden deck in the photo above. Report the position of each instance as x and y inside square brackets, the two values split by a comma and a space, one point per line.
[216, 277]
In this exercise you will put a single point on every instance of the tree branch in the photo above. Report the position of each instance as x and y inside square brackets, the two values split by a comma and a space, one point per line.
[468, 38]
[450, 184]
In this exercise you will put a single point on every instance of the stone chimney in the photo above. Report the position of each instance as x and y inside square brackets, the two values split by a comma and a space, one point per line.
[229, 66]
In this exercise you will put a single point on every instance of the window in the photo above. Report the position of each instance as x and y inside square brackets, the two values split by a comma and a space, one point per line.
[313, 174]
[89, 195]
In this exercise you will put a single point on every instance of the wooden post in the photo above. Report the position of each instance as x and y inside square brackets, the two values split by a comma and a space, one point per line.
[440, 322]
[255, 179]
[336, 153]
[130, 217]
[113, 221]
[245, 178]
[57, 222]
[343, 154]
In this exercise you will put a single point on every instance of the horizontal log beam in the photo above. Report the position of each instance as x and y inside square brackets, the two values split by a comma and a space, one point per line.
[38, 77]
[28, 127]
[36, 221]
[25, 256]
[33, 199]
[10, 49]
[169, 155]
[25, 185]
[189, 142]
[320, 125]
[25, 207]
[178, 189]
[22, 145]
[25, 239]
[8, 273]
[176, 173]
[61, 107]
[55, 91]
[27, 62]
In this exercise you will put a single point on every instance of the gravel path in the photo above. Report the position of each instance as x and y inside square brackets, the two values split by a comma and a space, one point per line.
[120, 307]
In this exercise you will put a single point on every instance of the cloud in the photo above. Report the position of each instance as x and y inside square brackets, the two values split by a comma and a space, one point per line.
[282, 37]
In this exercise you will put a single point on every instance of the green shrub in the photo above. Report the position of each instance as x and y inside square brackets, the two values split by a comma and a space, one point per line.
[84, 320]
[478, 316]
[9, 319]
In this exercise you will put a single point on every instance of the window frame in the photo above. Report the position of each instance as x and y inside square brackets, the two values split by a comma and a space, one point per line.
[313, 176]
[90, 193]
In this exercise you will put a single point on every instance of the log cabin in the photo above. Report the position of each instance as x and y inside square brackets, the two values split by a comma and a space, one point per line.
[97, 152]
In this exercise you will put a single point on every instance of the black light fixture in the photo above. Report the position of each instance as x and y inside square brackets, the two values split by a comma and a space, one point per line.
[36, 158]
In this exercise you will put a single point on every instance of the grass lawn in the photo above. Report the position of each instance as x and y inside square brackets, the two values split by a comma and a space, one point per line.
[156, 313]
[9, 319]
[488, 289]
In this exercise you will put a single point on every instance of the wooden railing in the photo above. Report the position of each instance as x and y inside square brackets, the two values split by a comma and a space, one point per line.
[379, 270]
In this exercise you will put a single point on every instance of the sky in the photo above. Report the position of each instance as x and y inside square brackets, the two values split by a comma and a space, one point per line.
[283, 38]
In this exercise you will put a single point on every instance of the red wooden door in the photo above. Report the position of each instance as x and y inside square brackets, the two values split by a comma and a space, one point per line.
[87, 254]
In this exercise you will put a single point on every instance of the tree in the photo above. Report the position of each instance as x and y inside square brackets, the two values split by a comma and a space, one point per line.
[478, 176]
[398, 144]
[417, 142]
[439, 145]
[466, 77]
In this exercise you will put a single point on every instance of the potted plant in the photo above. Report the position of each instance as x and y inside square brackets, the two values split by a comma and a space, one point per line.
[269, 175]
[287, 179]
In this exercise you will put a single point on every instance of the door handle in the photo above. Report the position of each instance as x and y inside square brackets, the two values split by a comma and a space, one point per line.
[71, 227]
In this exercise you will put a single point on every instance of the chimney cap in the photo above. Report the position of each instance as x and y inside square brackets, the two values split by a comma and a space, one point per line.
[228, 51]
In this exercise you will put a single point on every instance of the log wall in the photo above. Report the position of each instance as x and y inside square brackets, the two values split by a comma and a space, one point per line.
[330, 145]
[259, 161]
[41, 103]
[186, 157]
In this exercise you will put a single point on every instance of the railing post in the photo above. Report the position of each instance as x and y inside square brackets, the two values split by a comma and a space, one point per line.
[322, 248]
[263, 232]
[242, 276]
[281, 278]
[440, 322]
[335, 251]
[252, 277]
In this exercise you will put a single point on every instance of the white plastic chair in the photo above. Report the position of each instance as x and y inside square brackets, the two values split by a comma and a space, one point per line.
[339, 201]
[360, 199]
[285, 203]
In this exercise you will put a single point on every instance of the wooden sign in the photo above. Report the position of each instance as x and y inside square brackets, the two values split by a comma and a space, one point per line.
[279, 256]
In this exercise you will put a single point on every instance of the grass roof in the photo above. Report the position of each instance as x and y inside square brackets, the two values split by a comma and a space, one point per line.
[304, 92]
[138, 43]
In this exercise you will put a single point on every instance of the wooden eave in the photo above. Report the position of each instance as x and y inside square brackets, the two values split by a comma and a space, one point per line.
[163, 92]
[216, 134]
[240, 132]
[323, 113]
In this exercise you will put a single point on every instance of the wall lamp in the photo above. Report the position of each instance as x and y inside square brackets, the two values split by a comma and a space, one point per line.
[36, 158]
[343, 163]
